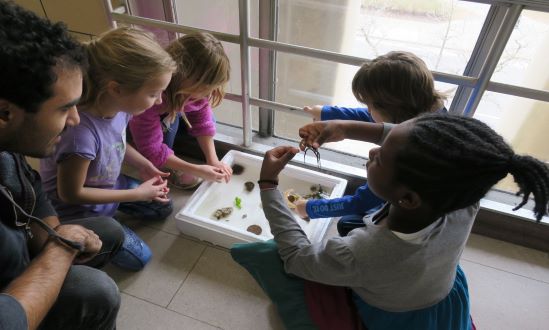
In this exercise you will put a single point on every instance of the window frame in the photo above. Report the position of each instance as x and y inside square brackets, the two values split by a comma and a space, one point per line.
[497, 28]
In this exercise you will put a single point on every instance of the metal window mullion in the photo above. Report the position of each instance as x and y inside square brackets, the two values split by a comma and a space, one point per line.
[492, 58]
[295, 110]
[282, 47]
[170, 14]
[244, 20]
[538, 5]
[268, 22]
[179, 28]
[479, 55]
[107, 5]
[529, 93]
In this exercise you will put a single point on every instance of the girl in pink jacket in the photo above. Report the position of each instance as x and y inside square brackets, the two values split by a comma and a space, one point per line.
[197, 85]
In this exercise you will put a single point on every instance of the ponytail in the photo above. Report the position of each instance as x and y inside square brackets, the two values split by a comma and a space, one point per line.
[453, 161]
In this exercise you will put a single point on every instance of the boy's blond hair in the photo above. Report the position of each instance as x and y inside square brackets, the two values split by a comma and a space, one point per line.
[127, 55]
[201, 60]
[398, 85]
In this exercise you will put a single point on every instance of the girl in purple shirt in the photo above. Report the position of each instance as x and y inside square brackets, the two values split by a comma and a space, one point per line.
[197, 85]
[128, 72]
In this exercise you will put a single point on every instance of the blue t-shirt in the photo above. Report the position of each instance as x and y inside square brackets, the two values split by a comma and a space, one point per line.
[363, 199]
[333, 112]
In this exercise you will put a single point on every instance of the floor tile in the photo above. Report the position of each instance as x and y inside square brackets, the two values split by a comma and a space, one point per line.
[501, 300]
[136, 314]
[509, 257]
[173, 258]
[220, 292]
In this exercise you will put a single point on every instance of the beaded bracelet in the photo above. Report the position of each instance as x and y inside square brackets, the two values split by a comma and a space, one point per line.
[275, 182]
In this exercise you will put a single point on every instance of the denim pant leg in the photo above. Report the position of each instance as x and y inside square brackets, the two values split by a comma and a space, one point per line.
[89, 299]
[348, 223]
[171, 132]
[109, 231]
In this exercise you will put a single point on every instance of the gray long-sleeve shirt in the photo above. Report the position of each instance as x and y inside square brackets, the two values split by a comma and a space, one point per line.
[384, 270]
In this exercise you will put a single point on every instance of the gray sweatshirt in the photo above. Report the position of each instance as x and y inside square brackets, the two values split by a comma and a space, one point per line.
[385, 270]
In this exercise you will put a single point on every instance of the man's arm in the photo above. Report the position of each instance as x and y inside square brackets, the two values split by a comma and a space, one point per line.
[38, 287]
[39, 235]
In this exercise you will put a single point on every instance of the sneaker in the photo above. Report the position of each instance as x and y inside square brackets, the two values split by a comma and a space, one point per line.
[147, 210]
[134, 254]
[183, 180]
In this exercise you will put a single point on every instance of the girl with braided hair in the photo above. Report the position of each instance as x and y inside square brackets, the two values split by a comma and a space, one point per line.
[402, 266]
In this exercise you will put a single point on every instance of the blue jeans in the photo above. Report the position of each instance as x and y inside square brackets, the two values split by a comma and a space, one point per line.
[171, 132]
[89, 298]
[175, 130]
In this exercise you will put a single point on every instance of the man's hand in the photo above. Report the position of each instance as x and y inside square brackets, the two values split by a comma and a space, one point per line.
[315, 134]
[85, 237]
[275, 160]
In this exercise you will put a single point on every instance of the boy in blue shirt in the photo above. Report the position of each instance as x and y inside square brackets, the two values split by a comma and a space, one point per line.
[395, 87]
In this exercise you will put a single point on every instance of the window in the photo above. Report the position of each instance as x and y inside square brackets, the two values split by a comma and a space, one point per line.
[441, 32]
[487, 55]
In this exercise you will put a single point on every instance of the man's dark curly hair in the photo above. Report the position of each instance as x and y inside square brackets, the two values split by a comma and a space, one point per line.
[30, 48]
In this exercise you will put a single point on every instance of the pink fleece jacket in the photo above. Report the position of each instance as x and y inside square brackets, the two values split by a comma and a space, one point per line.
[147, 133]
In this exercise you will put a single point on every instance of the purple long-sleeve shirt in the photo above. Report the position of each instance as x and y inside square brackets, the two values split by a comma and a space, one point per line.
[147, 130]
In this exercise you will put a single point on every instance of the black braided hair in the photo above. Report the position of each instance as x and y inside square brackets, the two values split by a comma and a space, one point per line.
[452, 162]
[30, 47]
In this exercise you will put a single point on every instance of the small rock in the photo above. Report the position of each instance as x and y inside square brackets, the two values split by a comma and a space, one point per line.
[237, 169]
[255, 229]
[249, 185]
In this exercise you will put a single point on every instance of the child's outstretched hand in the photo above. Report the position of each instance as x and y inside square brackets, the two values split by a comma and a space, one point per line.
[315, 111]
[275, 160]
[317, 133]
[225, 169]
[301, 208]
[212, 173]
[155, 189]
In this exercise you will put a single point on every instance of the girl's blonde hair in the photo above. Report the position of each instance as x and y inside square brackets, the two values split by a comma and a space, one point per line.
[127, 55]
[398, 85]
[201, 63]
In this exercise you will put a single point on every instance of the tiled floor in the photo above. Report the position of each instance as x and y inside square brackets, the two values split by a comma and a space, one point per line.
[193, 285]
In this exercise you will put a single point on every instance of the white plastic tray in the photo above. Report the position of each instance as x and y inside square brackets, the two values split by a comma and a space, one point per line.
[196, 217]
